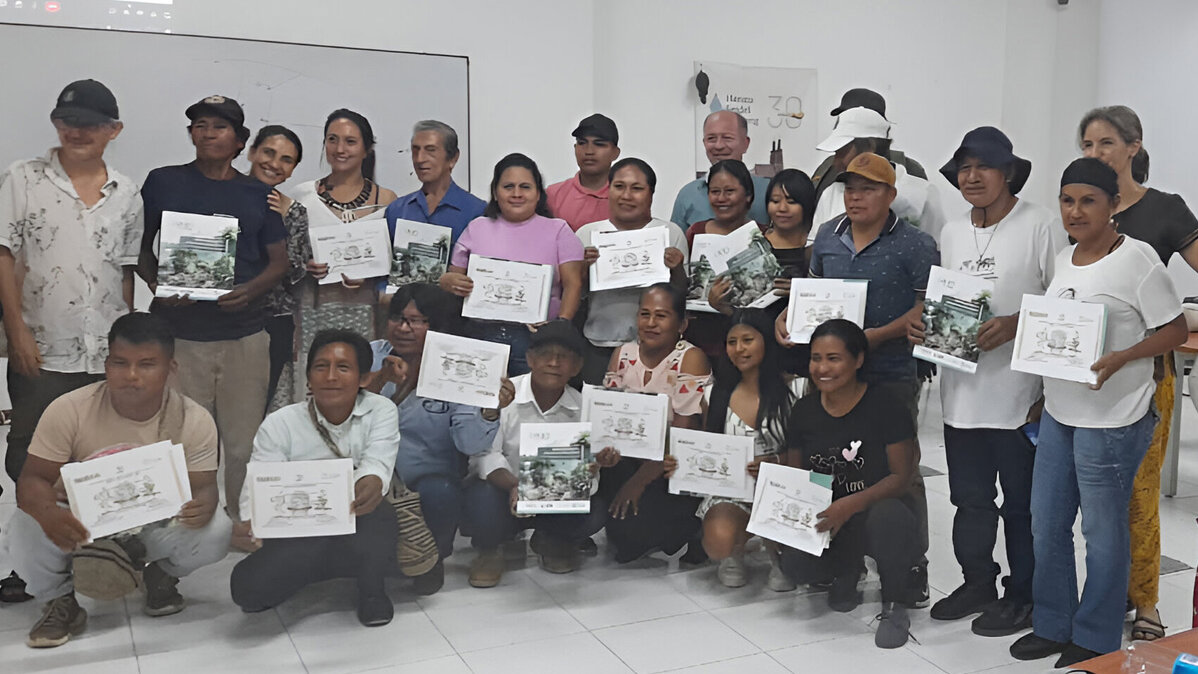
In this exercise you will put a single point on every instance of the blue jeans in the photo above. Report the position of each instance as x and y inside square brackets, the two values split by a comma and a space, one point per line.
[977, 459]
[441, 501]
[489, 521]
[1090, 468]
[515, 335]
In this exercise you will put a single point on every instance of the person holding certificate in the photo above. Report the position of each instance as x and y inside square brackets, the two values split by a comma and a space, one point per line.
[863, 438]
[339, 421]
[1093, 437]
[131, 408]
[644, 516]
[751, 398]
[611, 314]
[517, 225]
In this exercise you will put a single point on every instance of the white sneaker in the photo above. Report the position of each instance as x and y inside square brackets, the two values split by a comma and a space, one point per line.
[732, 572]
[778, 581]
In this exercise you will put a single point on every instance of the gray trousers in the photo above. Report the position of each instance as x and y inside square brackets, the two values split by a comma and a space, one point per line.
[178, 550]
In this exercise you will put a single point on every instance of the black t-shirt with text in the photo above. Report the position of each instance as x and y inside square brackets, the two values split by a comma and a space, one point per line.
[852, 448]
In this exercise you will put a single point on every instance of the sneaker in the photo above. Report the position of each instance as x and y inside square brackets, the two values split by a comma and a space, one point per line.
[778, 581]
[894, 626]
[430, 581]
[1074, 654]
[1033, 647]
[162, 597]
[487, 568]
[1002, 619]
[917, 587]
[375, 610]
[732, 572]
[558, 556]
[843, 596]
[62, 618]
[964, 601]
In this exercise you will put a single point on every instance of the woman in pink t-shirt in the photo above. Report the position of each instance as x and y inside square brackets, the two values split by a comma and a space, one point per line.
[518, 226]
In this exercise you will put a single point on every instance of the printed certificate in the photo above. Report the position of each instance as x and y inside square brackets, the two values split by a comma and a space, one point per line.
[462, 370]
[196, 254]
[815, 300]
[630, 259]
[517, 292]
[785, 508]
[555, 469]
[127, 489]
[711, 464]
[709, 259]
[419, 253]
[956, 306]
[633, 423]
[1059, 338]
[296, 499]
[360, 249]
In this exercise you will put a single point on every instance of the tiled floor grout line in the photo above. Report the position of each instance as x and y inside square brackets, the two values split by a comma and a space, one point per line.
[290, 639]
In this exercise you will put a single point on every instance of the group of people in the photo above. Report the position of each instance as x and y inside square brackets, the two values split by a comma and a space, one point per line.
[337, 365]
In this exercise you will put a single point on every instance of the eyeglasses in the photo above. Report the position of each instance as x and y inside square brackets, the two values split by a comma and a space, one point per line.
[412, 323]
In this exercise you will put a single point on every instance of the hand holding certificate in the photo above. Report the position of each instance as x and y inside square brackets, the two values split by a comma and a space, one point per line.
[296, 499]
[711, 464]
[709, 259]
[461, 370]
[634, 424]
[555, 469]
[1059, 338]
[360, 249]
[196, 254]
[786, 507]
[517, 292]
[955, 307]
[629, 259]
[127, 489]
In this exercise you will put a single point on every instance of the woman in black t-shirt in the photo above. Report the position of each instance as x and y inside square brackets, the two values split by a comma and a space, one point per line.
[864, 439]
[1114, 135]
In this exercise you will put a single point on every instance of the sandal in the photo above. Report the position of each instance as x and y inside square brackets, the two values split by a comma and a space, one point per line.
[1146, 629]
[12, 589]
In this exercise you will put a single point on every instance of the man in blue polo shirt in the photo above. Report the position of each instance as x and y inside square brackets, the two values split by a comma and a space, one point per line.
[439, 200]
[221, 346]
[870, 242]
[725, 136]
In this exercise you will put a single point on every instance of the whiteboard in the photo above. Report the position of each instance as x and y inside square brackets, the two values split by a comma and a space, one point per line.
[156, 76]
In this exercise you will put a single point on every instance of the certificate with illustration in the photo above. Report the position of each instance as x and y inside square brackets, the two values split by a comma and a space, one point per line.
[360, 249]
[630, 259]
[786, 504]
[711, 464]
[296, 499]
[815, 300]
[954, 309]
[462, 370]
[1059, 338]
[709, 259]
[419, 253]
[196, 255]
[634, 424]
[128, 489]
[516, 292]
[555, 469]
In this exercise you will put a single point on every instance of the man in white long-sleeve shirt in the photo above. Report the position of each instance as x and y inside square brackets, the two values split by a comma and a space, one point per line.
[340, 420]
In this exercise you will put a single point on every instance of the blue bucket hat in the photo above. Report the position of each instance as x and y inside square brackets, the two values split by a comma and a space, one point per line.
[992, 147]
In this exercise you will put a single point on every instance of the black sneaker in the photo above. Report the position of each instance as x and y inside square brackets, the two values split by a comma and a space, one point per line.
[843, 596]
[1074, 654]
[375, 610]
[430, 581]
[1002, 619]
[1032, 647]
[162, 597]
[917, 587]
[964, 601]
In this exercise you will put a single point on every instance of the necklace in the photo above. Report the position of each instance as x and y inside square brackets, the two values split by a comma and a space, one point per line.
[346, 208]
[982, 250]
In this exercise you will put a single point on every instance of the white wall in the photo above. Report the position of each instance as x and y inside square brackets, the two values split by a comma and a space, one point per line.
[1147, 60]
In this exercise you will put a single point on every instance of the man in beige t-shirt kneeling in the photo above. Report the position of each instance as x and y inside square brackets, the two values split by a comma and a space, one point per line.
[131, 408]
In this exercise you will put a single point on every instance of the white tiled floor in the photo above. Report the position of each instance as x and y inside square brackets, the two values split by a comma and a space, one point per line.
[650, 616]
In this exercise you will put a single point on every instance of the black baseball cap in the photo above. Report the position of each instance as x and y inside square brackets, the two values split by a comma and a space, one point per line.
[598, 126]
[861, 98]
[559, 331]
[85, 103]
[224, 107]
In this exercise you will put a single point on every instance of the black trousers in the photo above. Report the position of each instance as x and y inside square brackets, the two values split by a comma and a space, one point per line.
[662, 521]
[30, 398]
[887, 531]
[284, 566]
[281, 330]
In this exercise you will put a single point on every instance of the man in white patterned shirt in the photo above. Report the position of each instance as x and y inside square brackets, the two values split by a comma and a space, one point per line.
[70, 228]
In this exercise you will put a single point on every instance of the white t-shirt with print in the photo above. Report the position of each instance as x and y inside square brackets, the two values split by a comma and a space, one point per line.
[1138, 295]
[1017, 253]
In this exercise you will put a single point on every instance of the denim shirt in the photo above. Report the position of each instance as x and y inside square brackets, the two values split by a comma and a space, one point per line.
[436, 437]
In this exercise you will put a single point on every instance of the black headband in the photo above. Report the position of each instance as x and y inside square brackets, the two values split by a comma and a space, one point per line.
[1090, 171]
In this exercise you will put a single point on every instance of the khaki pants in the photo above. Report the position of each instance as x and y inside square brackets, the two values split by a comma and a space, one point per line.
[230, 379]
